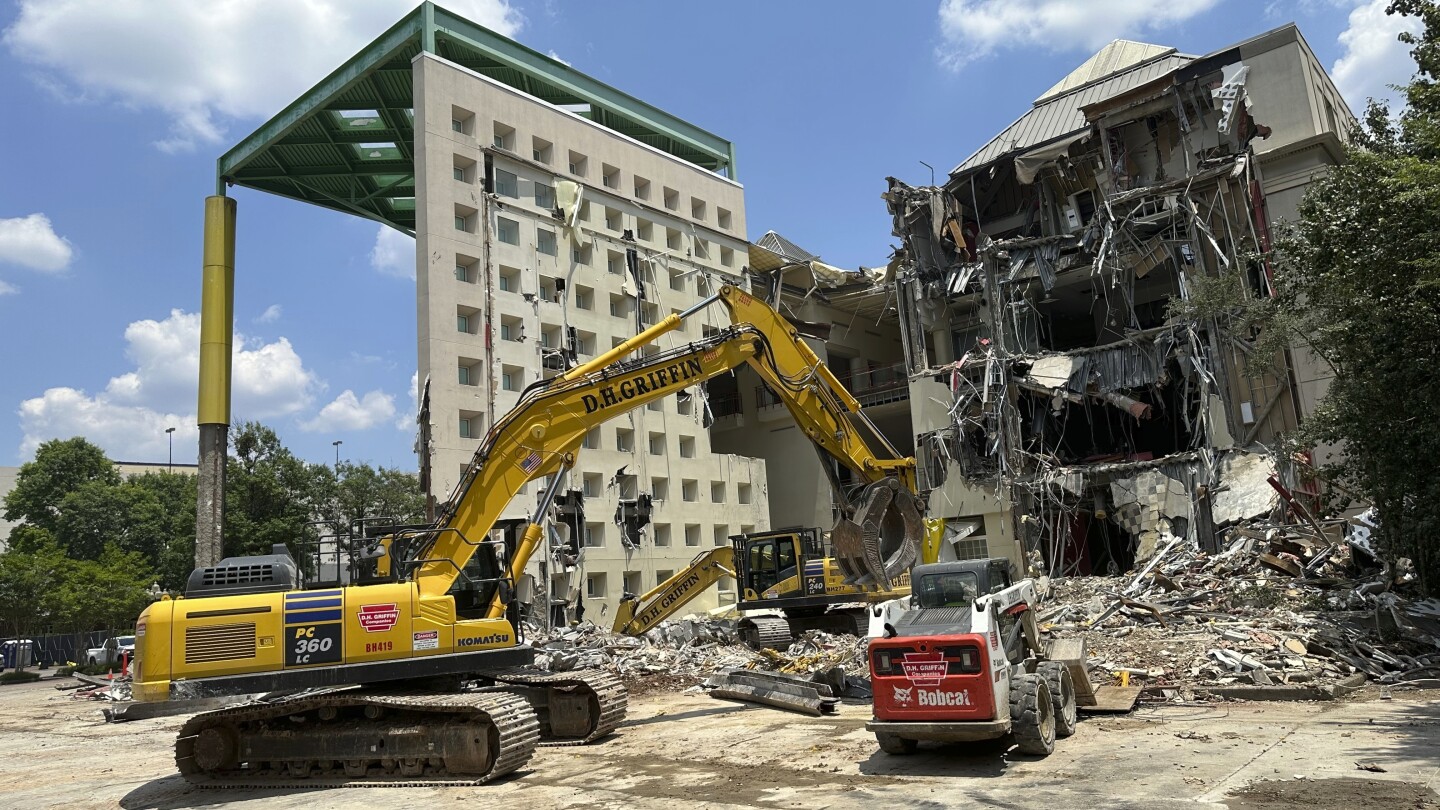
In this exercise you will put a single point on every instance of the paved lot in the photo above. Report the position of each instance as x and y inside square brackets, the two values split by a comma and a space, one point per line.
[706, 753]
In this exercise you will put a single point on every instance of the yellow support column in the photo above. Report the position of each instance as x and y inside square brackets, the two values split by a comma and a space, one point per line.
[217, 325]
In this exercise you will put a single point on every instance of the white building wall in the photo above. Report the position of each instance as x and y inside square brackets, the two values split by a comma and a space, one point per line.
[689, 226]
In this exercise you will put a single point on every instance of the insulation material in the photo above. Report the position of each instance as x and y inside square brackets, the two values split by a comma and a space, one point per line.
[1231, 93]
[567, 199]
[1055, 371]
[1246, 492]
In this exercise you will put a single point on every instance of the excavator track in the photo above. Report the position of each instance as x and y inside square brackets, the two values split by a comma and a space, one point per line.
[575, 708]
[360, 739]
[766, 632]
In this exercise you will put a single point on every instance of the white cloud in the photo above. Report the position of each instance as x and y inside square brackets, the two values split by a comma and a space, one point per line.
[976, 28]
[32, 242]
[268, 380]
[1373, 58]
[8, 289]
[553, 55]
[271, 314]
[407, 418]
[394, 253]
[347, 412]
[230, 66]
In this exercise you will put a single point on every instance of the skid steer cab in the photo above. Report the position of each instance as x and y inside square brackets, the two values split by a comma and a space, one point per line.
[966, 664]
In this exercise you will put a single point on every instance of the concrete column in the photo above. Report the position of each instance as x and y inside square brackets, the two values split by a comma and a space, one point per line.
[217, 320]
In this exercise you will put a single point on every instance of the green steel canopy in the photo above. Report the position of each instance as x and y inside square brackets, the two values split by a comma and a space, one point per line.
[349, 143]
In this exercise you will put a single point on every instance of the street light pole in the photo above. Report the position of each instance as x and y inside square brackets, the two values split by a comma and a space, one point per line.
[337, 444]
[170, 431]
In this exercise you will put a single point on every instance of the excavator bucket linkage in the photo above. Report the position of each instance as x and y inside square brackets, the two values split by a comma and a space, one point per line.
[883, 538]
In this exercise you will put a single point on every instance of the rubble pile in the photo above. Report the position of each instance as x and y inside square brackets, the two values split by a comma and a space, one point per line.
[689, 648]
[1282, 604]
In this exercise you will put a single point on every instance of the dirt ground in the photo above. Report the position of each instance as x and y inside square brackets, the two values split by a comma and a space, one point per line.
[691, 749]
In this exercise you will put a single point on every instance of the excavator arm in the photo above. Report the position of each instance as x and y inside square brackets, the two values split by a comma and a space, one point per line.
[638, 614]
[542, 433]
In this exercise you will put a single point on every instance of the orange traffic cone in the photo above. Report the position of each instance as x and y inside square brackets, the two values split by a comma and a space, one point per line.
[125, 665]
[110, 676]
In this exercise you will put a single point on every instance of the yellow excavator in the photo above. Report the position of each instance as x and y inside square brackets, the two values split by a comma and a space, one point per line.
[405, 667]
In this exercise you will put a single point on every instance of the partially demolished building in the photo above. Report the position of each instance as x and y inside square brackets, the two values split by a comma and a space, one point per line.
[1062, 403]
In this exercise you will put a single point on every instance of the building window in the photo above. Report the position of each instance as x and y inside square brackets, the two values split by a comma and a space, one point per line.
[467, 319]
[507, 230]
[584, 296]
[657, 444]
[689, 490]
[619, 306]
[508, 280]
[510, 378]
[609, 175]
[722, 218]
[577, 164]
[465, 428]
[662, 539]
[544, 196]
[644, 230]
[591, 486]
[625, 440]
[742, 493]
[507, 184]
[661, 577]
[580, 255]
[462, 273]
[614, 220]
[465, 218]
[722, 535]
[692, 534]
[595, 535]
[585, 343]
[672, 199]
[717, 491]
[545, 241]
[687, 446]
[540, 150]
[702, 249]
[727, 257]
[632, 583]
[469, 371]
[642, 188]
[463, 169]
[697, 209]
[594, 583]
[504, 137]
[462, 121]
[591, 440]
[677, 280]
[660, 488]
[615, 263]
[672, 238]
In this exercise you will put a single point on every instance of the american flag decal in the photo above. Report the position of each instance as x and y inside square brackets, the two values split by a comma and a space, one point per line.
[531, 462]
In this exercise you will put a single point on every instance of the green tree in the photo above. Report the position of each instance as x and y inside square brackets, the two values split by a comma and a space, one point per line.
[61, 466]
[98, 514]
[30, 584]
[106, 593]
[175, 493]
[362, 491]
[1358, 281]
[270, 494]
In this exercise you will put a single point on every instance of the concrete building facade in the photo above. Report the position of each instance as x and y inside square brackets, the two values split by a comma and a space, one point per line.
[1070, 409]
[544, 238]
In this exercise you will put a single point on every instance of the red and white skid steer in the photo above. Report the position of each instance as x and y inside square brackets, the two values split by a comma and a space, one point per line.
[965, 663]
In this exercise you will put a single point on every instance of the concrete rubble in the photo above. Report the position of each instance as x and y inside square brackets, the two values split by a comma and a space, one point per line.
[1281, 606]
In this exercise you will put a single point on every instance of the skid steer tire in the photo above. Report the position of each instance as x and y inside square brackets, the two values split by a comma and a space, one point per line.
[1062, 694]
[1032, 715]
[893, 744]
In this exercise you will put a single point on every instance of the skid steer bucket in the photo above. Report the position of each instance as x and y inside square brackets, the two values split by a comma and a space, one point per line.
[883, 537]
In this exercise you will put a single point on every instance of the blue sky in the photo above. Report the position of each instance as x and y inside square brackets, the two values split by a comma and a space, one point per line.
[118, 109]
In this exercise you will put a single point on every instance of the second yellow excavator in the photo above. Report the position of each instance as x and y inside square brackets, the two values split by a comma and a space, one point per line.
[405, 662]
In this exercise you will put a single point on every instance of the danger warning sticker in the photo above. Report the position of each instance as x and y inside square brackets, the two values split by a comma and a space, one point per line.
[378, 618]
[924, 669]
[426, 640]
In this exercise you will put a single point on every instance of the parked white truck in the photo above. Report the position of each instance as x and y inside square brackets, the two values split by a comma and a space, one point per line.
[109, 653]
